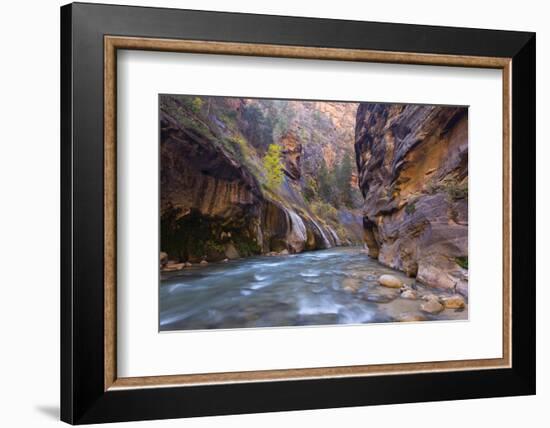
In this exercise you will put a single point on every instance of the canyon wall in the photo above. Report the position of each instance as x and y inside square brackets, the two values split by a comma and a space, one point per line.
[412, 165]
[214, 201]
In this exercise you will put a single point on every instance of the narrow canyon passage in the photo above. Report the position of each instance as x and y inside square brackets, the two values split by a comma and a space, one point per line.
[288, 213]
[334, 286]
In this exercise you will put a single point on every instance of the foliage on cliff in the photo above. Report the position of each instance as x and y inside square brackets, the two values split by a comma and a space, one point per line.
[273, 167]
[226, 158]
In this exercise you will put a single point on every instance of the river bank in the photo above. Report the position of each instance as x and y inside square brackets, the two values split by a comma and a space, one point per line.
[333, 286]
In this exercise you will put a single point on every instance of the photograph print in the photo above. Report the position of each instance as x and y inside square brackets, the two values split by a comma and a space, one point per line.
[282, 213]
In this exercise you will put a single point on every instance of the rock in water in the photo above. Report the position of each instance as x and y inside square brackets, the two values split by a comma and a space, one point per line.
[410, 317]
[409, 294]
[173, 267]
[455, 301]
[284, 253]
[203, 262]
[292, 154]
[351, 285]
[377, 297]
[390, 281]
[231, 252]
[432, 306]
[163, 258]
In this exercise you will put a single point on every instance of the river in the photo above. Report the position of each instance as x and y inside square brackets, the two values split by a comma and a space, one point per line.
[334, 286]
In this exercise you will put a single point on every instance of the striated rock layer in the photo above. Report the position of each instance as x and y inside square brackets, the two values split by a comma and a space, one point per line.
[413, 173]
[212, 205]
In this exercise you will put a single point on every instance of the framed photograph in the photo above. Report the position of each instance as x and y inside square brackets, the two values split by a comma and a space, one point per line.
[265, 213]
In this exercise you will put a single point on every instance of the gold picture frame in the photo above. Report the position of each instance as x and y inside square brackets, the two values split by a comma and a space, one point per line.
[114, 43]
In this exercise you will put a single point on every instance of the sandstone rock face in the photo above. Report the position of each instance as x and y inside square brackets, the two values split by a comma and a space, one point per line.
[318, 131]
[292, 152]
[200, 175]
[207, 198]
[212, 202]
[413, 174]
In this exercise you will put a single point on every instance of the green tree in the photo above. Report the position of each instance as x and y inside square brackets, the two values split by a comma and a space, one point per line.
[196, 105]
[326, 180]
[310, 189]
[259, 126]
[285, 114]
[273, 166]
[343, 181]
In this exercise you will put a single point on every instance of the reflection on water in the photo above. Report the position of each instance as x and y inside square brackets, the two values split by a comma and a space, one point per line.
[335, 286]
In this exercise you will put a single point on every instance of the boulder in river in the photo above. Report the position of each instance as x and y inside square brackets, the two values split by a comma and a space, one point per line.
[351, 285]
[455, 301]
[203, 262]
[432, 306]
[231, 252]
[409, 294]
[380, 295]
[410, 317]
[390, 281]
[171, 267]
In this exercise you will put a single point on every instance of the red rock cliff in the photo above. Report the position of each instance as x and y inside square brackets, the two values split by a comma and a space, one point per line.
[413, 172]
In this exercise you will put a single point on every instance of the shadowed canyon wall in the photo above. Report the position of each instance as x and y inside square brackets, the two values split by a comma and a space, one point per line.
[413, 173]
[216, 201]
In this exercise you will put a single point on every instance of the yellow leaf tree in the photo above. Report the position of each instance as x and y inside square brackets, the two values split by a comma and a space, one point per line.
[273, 166]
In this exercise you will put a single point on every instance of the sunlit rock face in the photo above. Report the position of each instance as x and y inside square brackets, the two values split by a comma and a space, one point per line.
[292, 154]
[413, 173]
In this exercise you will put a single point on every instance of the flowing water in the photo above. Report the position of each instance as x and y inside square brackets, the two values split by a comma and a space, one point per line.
[334, 286]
